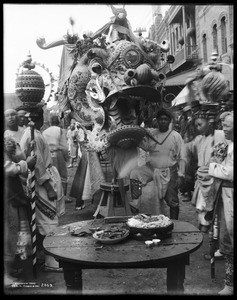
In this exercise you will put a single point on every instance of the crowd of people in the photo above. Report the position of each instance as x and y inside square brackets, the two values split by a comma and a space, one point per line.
[189, 151]
[33, 156]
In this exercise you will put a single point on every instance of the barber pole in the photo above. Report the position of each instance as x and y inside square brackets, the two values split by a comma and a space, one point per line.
[30, 89]
[32, 202]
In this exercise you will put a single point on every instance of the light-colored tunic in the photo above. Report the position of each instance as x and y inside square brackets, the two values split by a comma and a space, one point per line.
[16, 135]
[168, 152]
[162, 163]
[46, 210]
[225, 171]
[57, 142]
[203, 146]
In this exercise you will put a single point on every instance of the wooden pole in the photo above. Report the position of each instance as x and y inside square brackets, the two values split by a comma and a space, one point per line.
[213, 246]
[32, 202]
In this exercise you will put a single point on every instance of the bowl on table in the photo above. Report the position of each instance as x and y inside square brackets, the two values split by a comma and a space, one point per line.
[149, 225]
[111, 235]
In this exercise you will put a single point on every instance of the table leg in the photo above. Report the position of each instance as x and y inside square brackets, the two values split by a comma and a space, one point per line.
[72, 277]
[176, 276]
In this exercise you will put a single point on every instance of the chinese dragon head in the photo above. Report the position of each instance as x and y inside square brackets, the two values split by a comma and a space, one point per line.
[112, 86]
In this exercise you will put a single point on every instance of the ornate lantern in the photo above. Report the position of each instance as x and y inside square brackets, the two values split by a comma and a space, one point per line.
[191, 31]
[30, 87]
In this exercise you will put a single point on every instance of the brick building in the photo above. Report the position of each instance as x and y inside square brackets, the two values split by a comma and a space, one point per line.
[194, 32]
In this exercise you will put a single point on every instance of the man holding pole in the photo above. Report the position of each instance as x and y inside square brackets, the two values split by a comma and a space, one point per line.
[46, 183]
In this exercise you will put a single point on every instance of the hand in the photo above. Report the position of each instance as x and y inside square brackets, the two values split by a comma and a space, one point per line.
[31, 161]
[32, 144]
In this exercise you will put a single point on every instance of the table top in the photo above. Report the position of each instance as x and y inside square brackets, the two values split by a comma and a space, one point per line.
[86, 251]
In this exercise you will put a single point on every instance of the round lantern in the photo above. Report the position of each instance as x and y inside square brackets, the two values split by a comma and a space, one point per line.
[181, 40]
[30, 87]
[191, 31]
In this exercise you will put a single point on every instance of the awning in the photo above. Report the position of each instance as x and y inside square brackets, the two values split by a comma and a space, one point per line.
[181, 97]
[180, 78]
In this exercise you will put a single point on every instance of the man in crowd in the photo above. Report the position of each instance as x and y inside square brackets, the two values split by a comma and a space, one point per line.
[48, 185]
[21, 117]
[11, 125]
[165, 163]
[222, 167]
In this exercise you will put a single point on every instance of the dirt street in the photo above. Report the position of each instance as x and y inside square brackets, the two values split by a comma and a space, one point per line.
[131, 281]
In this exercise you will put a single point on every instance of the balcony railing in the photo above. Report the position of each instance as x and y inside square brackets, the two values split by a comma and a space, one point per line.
[179, 58]
[191, 53]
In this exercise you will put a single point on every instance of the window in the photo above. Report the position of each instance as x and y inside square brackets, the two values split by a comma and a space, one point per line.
[214, 33]
[177, 37]
[223, 35]
[204, 45]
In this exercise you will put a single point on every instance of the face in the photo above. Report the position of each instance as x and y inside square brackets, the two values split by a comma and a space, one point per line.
[22, 120]
[11, 118]
[163, 123]
[228, 128]
[202, 126]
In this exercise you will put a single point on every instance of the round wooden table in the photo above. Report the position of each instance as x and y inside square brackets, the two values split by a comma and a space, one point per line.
[76, 253]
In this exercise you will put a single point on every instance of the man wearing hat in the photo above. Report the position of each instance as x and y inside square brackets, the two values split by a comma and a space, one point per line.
[222, 168]
[202, 146]
[165, 163]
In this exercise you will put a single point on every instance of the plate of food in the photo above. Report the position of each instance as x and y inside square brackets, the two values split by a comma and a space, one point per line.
[111, 235]
[148, 225]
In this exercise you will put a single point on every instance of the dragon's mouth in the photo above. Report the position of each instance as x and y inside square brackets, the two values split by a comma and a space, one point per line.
[147, 92]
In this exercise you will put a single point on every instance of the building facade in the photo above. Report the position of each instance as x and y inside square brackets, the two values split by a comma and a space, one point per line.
[194, 32]
[214, 26]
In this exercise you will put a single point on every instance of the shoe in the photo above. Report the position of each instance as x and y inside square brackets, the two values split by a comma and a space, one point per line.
[227, 291]
[218, 256]
[67, 200]
[70, 166]
[80, 207]
[51, 269]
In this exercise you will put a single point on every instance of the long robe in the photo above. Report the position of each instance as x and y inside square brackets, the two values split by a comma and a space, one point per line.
[203, 146]
[57, 142]
[225, 171]
[46, 210]
[88, 177]
[16, 212]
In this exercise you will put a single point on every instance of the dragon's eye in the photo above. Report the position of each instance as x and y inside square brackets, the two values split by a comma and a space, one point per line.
[132, 57]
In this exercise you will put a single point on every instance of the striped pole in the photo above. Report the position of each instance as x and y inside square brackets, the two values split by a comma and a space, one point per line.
[32, 202]
[214, 240]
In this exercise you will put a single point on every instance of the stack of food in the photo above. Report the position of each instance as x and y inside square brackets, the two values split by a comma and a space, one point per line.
[149, 225]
